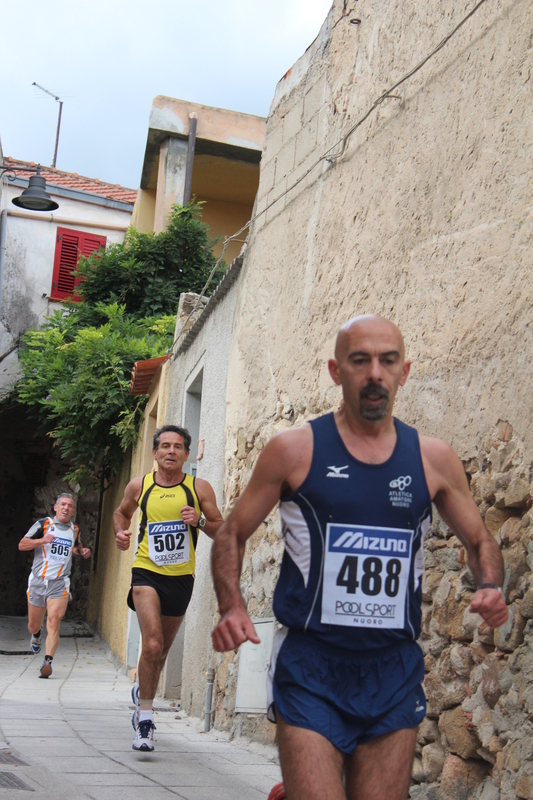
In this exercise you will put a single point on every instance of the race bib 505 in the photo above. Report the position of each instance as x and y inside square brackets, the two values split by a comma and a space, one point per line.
[59, 550]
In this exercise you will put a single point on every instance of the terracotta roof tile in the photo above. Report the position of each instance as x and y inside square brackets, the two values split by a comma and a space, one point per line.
[143, 374]
[71, 180]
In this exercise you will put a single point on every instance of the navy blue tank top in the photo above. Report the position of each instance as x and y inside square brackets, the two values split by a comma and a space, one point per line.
[353, 532]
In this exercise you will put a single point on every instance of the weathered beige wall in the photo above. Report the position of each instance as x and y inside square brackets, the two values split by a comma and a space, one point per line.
[142, 218]
[427, 219]
[110, 583]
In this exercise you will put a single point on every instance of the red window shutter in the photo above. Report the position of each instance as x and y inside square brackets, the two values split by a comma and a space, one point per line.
[70, 244]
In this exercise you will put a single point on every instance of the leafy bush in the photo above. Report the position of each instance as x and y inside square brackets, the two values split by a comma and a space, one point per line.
[148, 272]
[77, 367]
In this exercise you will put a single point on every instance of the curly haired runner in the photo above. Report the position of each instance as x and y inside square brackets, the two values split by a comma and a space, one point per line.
[54, 540]
[355, 490]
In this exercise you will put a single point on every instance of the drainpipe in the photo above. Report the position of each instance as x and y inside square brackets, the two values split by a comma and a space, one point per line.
[209, 699]
[3, 234]
[190, 157]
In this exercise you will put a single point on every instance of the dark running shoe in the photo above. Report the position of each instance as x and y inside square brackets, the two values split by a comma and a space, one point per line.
[46, 669]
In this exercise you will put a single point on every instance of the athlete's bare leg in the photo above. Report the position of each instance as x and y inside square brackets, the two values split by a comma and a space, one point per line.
[35, 618]
[382, 767]
[158, 633]
[55, 611]
[311, 766]
[313, 769]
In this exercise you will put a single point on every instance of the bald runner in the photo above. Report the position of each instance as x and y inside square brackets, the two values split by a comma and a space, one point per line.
[355, 491]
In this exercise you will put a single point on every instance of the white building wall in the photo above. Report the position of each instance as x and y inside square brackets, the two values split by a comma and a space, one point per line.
[29, 261]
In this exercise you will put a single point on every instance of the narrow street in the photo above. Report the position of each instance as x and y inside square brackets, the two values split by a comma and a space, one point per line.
[70, 736]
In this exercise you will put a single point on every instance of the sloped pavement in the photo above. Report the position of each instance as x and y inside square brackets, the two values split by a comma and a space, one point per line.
[69, 737]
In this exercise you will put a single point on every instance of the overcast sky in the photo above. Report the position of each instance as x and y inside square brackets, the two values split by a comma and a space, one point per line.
[107, 59]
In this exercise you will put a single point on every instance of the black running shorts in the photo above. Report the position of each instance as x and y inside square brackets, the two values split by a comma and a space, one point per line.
[174, 591]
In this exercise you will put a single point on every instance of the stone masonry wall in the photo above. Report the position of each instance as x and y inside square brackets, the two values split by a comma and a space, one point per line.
[427, 220]
[476, 741]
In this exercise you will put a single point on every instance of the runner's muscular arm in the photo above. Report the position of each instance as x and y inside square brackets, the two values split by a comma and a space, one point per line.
[124, 513]
[450, 492]
[27, 543]
[281, 464]
[208, 503]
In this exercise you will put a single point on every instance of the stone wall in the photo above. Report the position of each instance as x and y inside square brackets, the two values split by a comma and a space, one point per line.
[425, 219]
[476, 740]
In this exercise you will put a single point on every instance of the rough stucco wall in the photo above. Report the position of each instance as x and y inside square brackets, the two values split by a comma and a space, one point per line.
[425, 219]
[209, 350]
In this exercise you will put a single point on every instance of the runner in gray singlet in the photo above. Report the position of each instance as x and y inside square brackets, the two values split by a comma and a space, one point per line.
[53, 540]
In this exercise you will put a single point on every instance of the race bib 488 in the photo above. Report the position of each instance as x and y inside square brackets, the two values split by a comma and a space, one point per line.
[366, 574]
[168, 542]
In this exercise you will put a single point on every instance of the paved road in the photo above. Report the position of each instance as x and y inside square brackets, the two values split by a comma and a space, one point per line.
[69, 737]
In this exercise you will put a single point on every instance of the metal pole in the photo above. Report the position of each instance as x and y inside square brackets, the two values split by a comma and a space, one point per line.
[209, 699]
[38, 85]
[57, 133]
[190, 157]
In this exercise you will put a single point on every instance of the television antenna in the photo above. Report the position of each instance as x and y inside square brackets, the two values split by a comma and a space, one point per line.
[58, 118]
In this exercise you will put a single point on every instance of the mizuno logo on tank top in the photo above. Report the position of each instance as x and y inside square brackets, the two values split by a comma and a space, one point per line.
[336, 472]
[352, 567]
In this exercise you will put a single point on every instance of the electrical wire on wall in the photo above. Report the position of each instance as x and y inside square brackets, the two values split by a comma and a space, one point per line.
[331, 154]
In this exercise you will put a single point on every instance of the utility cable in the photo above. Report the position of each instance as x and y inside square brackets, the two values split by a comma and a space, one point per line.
[328, 156]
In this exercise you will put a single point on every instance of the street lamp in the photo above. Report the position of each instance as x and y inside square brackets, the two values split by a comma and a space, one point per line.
[35, 197]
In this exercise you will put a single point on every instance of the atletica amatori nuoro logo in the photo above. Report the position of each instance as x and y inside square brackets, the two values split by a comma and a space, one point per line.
[401, 483]
[335, 472]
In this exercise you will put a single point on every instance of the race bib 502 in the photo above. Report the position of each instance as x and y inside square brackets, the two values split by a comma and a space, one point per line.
[168, 542]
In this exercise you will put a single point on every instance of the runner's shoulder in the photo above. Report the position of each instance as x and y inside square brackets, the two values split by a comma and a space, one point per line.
[36, 530]
[133, 489]
[441, 460]
[438, 452]
[288, 448]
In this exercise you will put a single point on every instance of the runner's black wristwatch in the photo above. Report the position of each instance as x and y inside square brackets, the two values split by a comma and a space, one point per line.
[491, 586]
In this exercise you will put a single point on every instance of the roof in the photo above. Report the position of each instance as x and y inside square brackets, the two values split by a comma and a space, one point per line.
[220, 133]
[143, 374]
[71, 180]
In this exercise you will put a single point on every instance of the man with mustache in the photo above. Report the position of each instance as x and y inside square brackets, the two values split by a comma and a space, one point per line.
[355, 489]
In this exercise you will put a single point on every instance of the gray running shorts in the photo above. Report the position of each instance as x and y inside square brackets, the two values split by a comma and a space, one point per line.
[39, 590]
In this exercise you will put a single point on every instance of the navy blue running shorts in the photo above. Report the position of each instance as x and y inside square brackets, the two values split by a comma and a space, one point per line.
[347, 697]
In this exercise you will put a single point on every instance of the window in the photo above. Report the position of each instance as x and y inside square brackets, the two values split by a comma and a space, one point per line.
[70, 245]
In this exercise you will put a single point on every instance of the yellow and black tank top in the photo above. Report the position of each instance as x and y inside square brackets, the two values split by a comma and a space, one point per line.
[165, 543]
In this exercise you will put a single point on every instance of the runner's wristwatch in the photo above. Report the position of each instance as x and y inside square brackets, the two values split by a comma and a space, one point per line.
[201, 522]
[491, 586]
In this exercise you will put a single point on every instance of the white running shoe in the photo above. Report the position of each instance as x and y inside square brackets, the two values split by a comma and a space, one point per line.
[144, 736]
[137, 703]
[35, 642]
